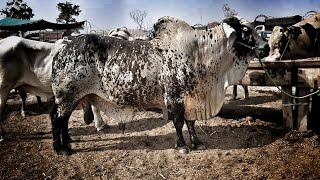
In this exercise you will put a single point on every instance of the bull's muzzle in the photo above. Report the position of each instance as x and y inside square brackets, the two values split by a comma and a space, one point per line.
[263, 51]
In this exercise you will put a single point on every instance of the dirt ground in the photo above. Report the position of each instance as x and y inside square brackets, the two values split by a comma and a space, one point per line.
[244, 141]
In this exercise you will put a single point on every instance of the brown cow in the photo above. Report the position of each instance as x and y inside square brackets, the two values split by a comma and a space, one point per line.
[301, 40]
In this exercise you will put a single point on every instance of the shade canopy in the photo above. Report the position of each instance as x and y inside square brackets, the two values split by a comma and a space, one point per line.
[13, 24]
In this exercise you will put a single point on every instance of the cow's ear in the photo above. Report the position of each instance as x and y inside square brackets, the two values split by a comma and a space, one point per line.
[228, 30]
[233, 22]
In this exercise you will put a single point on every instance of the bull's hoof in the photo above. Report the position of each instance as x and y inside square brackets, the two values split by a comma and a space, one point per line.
[64, 152]
[69, 139]
[2, 135]
[183, 149]
[23, 114]
[122, 126]
[199, 147]
[101, 131]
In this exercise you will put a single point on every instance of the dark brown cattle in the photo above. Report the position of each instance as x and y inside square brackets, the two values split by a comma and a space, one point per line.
[299, 41]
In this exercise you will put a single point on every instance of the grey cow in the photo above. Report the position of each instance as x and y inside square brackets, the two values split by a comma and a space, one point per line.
[183, 71]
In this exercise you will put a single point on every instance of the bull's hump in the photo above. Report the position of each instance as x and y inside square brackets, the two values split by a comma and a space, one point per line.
[9, 44]
[168, 26]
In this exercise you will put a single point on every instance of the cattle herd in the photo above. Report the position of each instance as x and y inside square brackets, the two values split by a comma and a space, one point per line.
[182, 70]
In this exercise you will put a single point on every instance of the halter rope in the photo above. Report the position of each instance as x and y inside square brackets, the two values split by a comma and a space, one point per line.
[276, 85]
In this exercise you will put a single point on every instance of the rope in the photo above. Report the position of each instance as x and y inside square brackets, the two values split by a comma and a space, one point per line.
[276, 85]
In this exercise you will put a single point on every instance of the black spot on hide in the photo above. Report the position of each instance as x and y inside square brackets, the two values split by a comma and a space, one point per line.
[294, 32]
[312, 34]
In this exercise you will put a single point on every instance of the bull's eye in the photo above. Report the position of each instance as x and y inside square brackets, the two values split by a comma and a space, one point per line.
[245, 29]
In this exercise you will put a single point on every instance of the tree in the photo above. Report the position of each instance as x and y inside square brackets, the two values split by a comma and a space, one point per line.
[17, 9]
[228, 12]
[138, 16]
[67, 11]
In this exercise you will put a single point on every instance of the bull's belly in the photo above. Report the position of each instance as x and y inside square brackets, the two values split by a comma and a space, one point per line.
[45, 93]
[38, 86]
[140, 98]
[118, 111]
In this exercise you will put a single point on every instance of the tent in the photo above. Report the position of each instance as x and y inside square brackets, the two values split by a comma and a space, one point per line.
[13, 24]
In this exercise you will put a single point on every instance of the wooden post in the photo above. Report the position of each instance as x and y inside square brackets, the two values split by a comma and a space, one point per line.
[287, 120]
[302, 109]
[295, 110]
[315, 111]
[295, 113]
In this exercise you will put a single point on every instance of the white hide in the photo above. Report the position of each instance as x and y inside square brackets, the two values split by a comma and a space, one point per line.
[38, 69]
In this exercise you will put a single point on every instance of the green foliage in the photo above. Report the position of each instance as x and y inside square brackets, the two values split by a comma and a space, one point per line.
[67, 11]
[17, 9]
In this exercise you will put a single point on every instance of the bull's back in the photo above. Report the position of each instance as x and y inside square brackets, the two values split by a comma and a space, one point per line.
[119, 71]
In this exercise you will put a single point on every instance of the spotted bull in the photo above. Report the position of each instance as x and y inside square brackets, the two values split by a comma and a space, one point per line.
[183, 71]
[301, 40]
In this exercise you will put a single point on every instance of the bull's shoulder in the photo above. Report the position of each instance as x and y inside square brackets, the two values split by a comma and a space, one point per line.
[10, 44]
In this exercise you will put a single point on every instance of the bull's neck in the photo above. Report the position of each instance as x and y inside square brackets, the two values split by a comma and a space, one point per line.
[212, 46]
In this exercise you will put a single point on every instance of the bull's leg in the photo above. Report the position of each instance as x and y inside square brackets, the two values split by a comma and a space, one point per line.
[246, 92]
[23, 96]
[39, 101]
[4, 93]
[60, 134]
[235, 93]
[176, 112]
[196, 143]
[98, 121]
[65, 138]
[56, 129]
[87, 112]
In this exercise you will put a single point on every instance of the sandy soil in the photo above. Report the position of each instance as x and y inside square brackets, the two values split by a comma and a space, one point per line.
[244, 141]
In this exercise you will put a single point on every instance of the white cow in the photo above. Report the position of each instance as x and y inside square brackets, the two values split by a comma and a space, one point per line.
[183, 70]
[26, 65]
[23, 94]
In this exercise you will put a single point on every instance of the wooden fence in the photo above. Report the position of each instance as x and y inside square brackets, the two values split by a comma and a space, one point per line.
[297, 78]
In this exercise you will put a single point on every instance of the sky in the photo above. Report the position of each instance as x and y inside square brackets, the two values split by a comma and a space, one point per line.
[109, 14]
